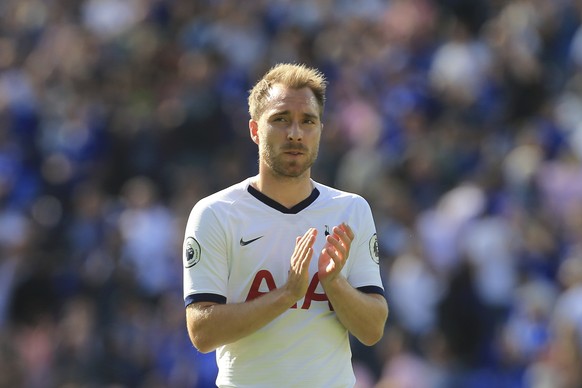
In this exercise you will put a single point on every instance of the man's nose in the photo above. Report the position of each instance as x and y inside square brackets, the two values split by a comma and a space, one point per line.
[295, 132]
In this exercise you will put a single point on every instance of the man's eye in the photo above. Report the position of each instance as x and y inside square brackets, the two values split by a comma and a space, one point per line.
[280, 119]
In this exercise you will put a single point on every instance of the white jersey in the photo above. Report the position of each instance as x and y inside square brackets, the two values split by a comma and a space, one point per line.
[238, 245]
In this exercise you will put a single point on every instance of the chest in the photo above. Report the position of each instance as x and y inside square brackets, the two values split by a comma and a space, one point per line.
[261, 247]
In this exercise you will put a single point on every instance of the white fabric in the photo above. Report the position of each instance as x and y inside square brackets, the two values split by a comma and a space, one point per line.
[305, 347]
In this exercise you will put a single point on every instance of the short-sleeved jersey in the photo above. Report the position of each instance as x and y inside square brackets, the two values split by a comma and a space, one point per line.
[238, 245]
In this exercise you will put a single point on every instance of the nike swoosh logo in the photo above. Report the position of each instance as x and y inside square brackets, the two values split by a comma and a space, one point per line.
[243, 242]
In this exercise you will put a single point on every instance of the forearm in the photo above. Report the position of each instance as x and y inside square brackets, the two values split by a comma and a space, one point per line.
[213, 325]
[363, 315]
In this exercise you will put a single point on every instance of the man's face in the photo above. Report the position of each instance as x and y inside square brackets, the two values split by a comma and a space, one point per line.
[289, 131]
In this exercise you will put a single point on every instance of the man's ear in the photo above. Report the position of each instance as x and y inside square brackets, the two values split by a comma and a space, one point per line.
[254, 131]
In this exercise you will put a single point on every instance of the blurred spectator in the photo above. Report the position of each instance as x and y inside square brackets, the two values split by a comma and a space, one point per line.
[560, 367]
[147, 233]
[404, 368]
[415, 291]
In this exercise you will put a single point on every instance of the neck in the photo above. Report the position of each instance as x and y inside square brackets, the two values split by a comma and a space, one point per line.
[285, 190]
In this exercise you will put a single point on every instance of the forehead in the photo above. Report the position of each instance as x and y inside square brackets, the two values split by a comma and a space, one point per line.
[283, 98]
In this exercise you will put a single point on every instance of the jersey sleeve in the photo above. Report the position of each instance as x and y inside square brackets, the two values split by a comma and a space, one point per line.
[364, 271]
[204, 257]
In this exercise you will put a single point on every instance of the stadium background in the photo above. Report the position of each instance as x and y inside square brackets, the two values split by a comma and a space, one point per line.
[460, 122]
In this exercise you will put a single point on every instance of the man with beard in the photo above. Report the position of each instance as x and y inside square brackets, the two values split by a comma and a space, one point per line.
[253, 293]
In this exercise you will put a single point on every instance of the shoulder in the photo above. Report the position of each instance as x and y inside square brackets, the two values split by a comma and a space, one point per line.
[328, 192]
[332, 200]
[222, 200]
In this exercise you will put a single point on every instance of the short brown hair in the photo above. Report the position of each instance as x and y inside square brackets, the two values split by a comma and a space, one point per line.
[295, 76]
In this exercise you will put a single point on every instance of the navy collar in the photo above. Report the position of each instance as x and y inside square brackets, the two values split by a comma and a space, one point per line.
[277, 206]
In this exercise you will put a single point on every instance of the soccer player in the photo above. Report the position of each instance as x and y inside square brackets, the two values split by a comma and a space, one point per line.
[279, 269]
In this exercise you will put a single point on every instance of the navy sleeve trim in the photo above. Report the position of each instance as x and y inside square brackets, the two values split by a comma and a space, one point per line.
[371, 290]
[204, 298]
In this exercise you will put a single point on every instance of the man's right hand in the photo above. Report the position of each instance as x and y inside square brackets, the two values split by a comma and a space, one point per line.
[298, 279]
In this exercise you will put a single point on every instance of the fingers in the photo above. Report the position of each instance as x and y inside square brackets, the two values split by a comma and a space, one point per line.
[341, 238]
[339, 243]
[298, 279]
[349, 232]
[303, 250]
[336, 248]
[306, 241]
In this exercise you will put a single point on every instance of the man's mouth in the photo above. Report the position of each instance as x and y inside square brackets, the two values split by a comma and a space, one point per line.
[294, 150]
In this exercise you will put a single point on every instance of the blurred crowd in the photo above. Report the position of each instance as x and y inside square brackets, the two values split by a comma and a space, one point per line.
[459, 121]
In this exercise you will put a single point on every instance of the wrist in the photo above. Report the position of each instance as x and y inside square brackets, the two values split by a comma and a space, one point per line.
[331, 284]
[287, 297]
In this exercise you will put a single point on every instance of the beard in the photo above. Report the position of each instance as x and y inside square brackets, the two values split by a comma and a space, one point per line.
[279, 164]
